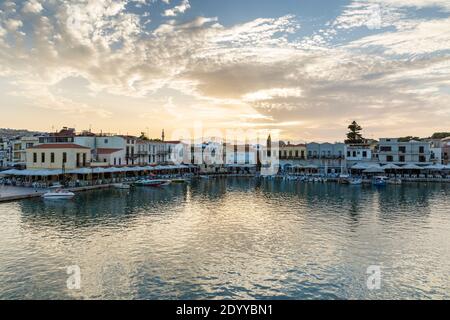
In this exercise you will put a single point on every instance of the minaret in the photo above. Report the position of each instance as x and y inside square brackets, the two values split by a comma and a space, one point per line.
[162, 135]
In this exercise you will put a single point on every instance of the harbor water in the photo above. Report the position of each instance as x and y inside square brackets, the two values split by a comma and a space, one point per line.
[235, 238]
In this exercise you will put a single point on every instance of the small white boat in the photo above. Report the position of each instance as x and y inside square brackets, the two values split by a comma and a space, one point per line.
[355, 182]
[153, 183]
[379, 181]
[122, 186]
[397, 181]
[204, 177]
[58, 195]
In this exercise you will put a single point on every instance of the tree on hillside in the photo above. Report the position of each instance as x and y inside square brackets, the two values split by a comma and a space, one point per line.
[354, 135]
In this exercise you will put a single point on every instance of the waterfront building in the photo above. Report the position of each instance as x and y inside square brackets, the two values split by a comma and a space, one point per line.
[446, 151]
[104, 148]
[65, 156]
[65, 135]
[391, 150]
[4, 153]
[325, 150]
[19, 146]
[292, 151]
[110, 156]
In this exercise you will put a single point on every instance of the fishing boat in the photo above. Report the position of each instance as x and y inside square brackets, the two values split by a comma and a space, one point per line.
[58, 195]
[153, 183]
[379, 181]
[204, 177]
[122, 186]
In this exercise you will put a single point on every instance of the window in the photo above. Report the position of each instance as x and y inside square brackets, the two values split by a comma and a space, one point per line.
[303, 154]
[385, 149]
[106, 141]
[84, 159]
[43, 157]
[64, 157]
[52, 157]
[348, 153]
[401, 158]
[354, 154]
[296, 153]
[34, 157]
[364, 154]
[389, 158]
[422, 150]
[402, 149]
[422, 159]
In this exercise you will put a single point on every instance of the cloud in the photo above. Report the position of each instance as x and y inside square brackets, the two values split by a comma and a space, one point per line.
[256, 73]
[32, 6]
[181, 8]
[13, 24]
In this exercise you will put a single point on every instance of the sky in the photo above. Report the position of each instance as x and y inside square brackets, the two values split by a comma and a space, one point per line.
[304, 69]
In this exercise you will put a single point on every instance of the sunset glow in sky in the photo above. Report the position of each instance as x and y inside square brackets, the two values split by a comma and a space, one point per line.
[305, 68]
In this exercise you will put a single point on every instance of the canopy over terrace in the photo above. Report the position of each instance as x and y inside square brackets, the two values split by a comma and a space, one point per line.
[374, 169]
[99, 172]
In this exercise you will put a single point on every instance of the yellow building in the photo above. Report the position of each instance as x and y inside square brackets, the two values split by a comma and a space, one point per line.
[293, 151]
[58, 156]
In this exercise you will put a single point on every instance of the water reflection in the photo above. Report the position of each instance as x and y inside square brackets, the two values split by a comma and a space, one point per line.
[230, 238]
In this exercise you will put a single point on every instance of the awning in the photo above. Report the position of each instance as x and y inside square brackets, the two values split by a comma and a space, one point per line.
[361, 166]
[411, 166]
[29, 173]
[374, 169]
[437, 167]
[391, 166]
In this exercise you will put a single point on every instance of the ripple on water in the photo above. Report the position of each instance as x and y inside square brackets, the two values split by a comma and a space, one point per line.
[233, 239]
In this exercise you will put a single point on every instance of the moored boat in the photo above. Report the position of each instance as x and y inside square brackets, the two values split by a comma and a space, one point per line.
[121, 186]
[58, 195]
[355, 181]
[153, 183]
[397, 181]
[379, 181]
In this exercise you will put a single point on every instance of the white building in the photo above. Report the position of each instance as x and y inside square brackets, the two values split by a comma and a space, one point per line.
[110, 150]
[4, 153]
[393, 151]
[358, 152]
[65, 156]
[18, 154]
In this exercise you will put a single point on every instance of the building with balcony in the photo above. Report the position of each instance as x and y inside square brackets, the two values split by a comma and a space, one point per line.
[391, 150]
[18, 153]
[326, 150]
[292, 151]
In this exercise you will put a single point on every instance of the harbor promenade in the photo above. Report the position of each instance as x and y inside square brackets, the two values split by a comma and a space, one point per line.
[11, 193]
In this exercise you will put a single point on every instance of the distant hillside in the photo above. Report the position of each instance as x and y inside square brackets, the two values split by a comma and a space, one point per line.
[12, 133]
